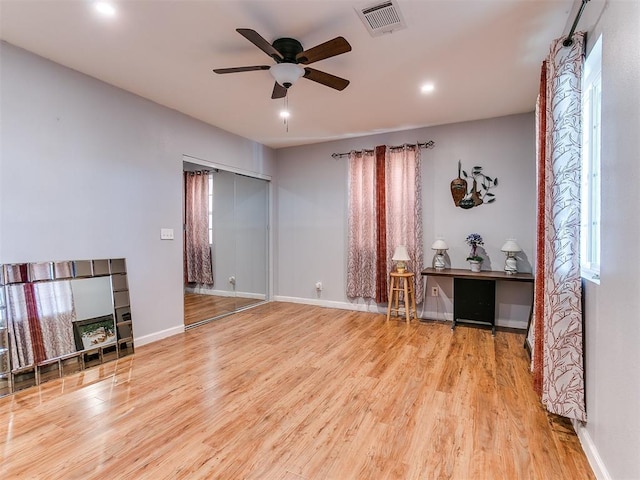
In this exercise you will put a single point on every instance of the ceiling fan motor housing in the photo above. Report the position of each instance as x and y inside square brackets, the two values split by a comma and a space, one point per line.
[287, 71]
[289, 48]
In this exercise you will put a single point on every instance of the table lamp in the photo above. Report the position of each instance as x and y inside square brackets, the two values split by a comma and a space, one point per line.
[510, 248]
[440, 246]
[400, 256]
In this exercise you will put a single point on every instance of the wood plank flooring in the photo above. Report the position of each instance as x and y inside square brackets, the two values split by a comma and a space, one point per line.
[287, 391]
[199, 307]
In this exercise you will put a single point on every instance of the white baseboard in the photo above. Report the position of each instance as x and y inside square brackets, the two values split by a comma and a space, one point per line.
[225, 293]
[382, 308]
[154, 337]
[359, 307]
[209, 291]
[507, 322]
[590, 450]
[439, 316]
[255, 296]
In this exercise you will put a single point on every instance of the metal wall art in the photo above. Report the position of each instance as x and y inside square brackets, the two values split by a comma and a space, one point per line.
[478, 194]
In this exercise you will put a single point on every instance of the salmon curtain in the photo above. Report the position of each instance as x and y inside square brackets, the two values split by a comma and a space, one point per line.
[385, 210]
[362, 254]
[557, 360]
[197, 251]
[404, 209]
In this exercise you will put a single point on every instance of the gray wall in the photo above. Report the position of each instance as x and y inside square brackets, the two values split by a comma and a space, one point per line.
[90, 171]
[311, 203]
[612, 434]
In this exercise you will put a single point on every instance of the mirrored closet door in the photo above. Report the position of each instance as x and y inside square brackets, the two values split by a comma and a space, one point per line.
[238, 243]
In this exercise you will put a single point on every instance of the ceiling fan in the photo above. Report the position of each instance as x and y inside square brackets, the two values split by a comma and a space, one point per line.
[288, 54]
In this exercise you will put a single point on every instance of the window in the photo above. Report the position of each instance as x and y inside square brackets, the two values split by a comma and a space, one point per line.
[590, 191]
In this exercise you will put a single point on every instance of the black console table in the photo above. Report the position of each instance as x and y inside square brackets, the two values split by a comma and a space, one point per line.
[474, 293]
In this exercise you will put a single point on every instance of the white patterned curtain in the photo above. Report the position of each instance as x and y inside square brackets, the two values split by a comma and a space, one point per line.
[362, 256]
[56, 311]
[404, 208]
[198, 268]
[557, 324]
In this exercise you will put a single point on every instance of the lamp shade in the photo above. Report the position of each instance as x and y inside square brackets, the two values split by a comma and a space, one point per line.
[401, 254]
[439, 244]
[511, 246]
[286, 74]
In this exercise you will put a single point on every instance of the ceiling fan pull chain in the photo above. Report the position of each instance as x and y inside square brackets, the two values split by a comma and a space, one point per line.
[286, 109]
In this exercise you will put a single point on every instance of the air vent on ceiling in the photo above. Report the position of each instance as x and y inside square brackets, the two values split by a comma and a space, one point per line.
[382, 17]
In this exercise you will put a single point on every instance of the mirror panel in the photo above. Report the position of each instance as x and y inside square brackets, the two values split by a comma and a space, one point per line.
[101, 267]
[63, 270]
[58, 318]
[239, 216]
[251, 251]
[5, 366]
[82, 268]
[40, 271]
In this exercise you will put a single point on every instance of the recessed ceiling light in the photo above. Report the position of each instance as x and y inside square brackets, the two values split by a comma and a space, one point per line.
[106, 9]
[427, 88]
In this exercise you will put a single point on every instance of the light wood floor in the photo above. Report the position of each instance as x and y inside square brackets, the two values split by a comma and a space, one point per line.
[286, 391]
[198, 307]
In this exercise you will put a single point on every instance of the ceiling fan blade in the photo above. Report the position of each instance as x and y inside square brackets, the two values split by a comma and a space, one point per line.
[278, 91]
[241, 69]
[325, 78]
[255, 38]
[328, 49]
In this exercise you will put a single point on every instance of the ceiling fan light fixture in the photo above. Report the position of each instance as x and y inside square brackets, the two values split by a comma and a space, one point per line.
[286, 74]
[427, 87]
[105, 8]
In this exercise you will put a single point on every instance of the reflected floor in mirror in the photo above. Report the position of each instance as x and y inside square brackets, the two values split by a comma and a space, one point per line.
[198, 307]
[290, 391]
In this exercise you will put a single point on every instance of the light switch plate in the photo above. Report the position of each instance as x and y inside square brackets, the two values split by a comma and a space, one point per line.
[166, 234]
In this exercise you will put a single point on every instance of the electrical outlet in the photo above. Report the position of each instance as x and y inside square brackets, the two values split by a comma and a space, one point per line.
[318, 286]
[434, 291]
[166, 234]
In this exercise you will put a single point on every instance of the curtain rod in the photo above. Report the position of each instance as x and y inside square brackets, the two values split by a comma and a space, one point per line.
[569, 40]
[202, 171]
[429, 144]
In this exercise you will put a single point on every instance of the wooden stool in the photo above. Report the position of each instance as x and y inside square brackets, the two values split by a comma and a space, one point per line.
[402, 282]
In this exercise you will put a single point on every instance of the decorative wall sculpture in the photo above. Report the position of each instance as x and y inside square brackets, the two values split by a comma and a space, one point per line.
[478, 194]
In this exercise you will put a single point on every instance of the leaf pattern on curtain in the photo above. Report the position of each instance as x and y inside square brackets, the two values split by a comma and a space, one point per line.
[197, 248]
[362, 256]
[558, 320]
[397, 216]
[404, 208]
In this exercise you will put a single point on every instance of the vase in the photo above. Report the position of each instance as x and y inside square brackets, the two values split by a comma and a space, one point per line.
[475, 265]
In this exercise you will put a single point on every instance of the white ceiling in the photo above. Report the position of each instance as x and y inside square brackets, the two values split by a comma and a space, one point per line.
[483, 56]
